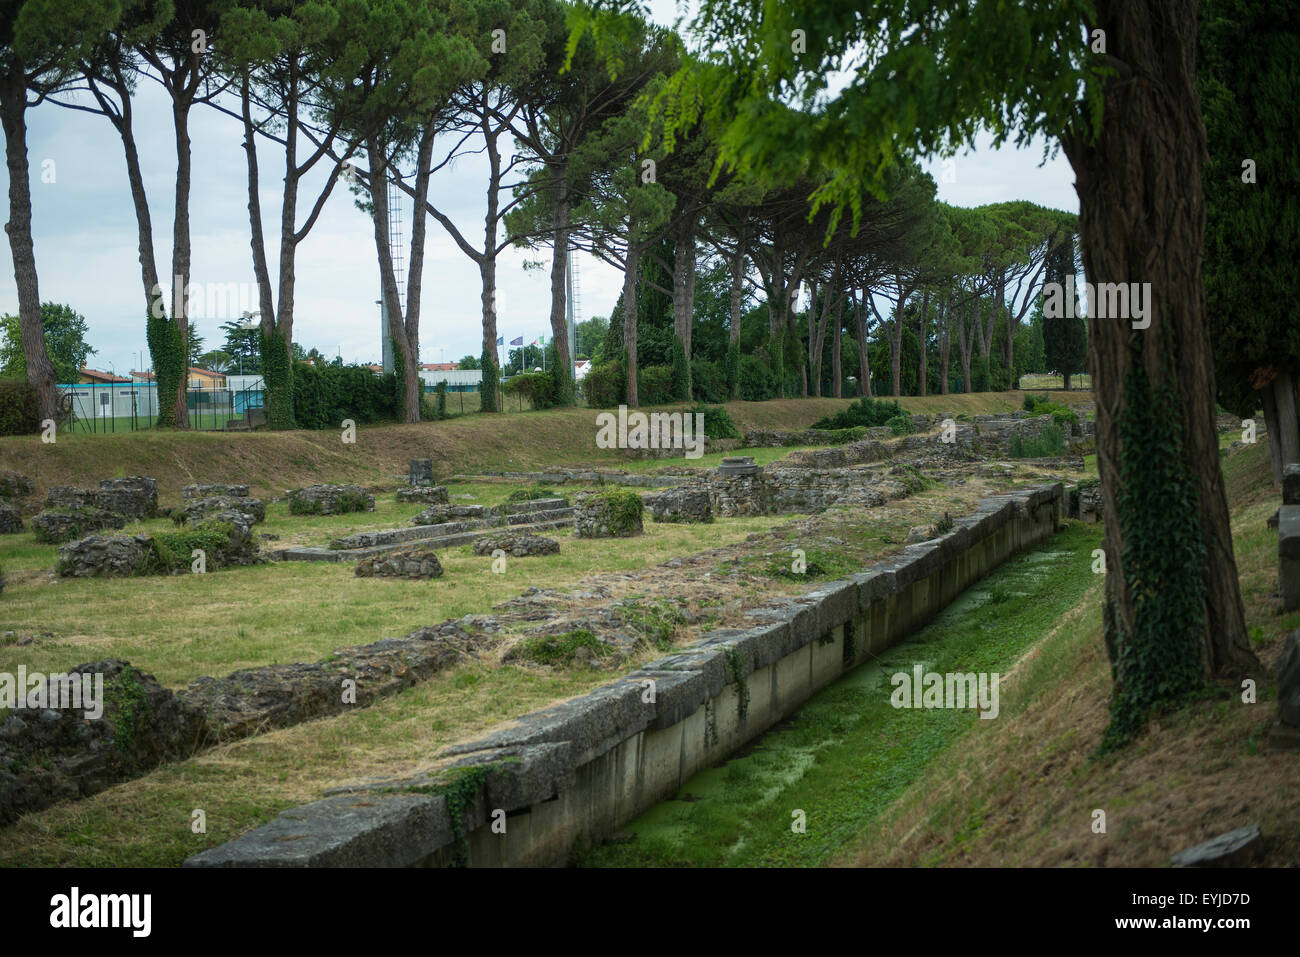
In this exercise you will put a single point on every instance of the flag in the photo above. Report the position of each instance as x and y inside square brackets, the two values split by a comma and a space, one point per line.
[535, 342]
[501, 340]
[517, 342]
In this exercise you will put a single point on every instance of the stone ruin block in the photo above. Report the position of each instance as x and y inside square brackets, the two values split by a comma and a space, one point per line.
[429, 494]
[207, 491]
[421, 473]
[68, 522]
[11, 520]
[105, 556]
[121, 556]
[615, 513]
[1291, 485]
[1086, 502]
[685, 504]
[63, 496]
[13, 486]
[57, 753]
[1288, 555]
[735, 495]
[199, 509]
[416, 563]
[441, 514]
[518, 546]
[330, 500]
[1288, 681]
[135, 497]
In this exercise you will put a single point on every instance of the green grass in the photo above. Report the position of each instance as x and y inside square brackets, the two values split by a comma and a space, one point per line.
[847, 754]
[145, 822]
[181, 627]
[562, 649]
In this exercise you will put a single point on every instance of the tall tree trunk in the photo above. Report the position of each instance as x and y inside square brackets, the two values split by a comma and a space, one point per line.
[925, 335]
[864, 360]
[945, 346]
[1277, 394]
[181, 251]
[1142, 219]
[737, 289]
[139, 199]
[1008, 347]
[559, 282]
[487, 266]
[404, 332]
[13, 107]
[836, 371]
[683, 268]
[1288, 432]
[277, 356]
[630, 267]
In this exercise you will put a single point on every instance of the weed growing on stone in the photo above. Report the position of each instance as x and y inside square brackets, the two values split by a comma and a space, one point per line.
[562, 649]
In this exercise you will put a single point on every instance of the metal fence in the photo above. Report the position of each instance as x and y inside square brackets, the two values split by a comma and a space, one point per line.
[127, 407]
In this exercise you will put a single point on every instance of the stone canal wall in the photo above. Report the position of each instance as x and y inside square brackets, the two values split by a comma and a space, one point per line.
[570, 775]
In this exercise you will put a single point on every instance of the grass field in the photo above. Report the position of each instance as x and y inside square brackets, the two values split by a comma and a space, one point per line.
[180, 628]
[1080, 381]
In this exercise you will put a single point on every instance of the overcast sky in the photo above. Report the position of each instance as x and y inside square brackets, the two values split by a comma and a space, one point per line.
[86, 249]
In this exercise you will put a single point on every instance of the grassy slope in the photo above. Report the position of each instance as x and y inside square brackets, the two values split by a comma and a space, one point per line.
[1021, 791]
[272, 461]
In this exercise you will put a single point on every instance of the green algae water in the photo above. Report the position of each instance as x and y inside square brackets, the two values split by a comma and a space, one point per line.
[848, 754]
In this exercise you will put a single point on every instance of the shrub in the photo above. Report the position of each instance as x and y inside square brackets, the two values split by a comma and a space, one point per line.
[844, 436]
[709, 382]
[20, 409]
[657, 622]
[901, 425]
[171, 551]
[757, 382]
[1049, 443]
[323, 396]
[605, 385]
[656, 385]
[561, 649]
[1062, 415]
[717, 424]
[865, 412]
[538, 388]
[530, 493]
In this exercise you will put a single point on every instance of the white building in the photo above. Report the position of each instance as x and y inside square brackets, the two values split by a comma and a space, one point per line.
[458, 380]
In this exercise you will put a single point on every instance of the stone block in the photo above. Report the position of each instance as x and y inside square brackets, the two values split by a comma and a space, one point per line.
[594, 723]
[135, 497]
[421, 473]
[348, 830]
[686, 504]
[11, 520]
[1288, 681]
[1288, 556]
